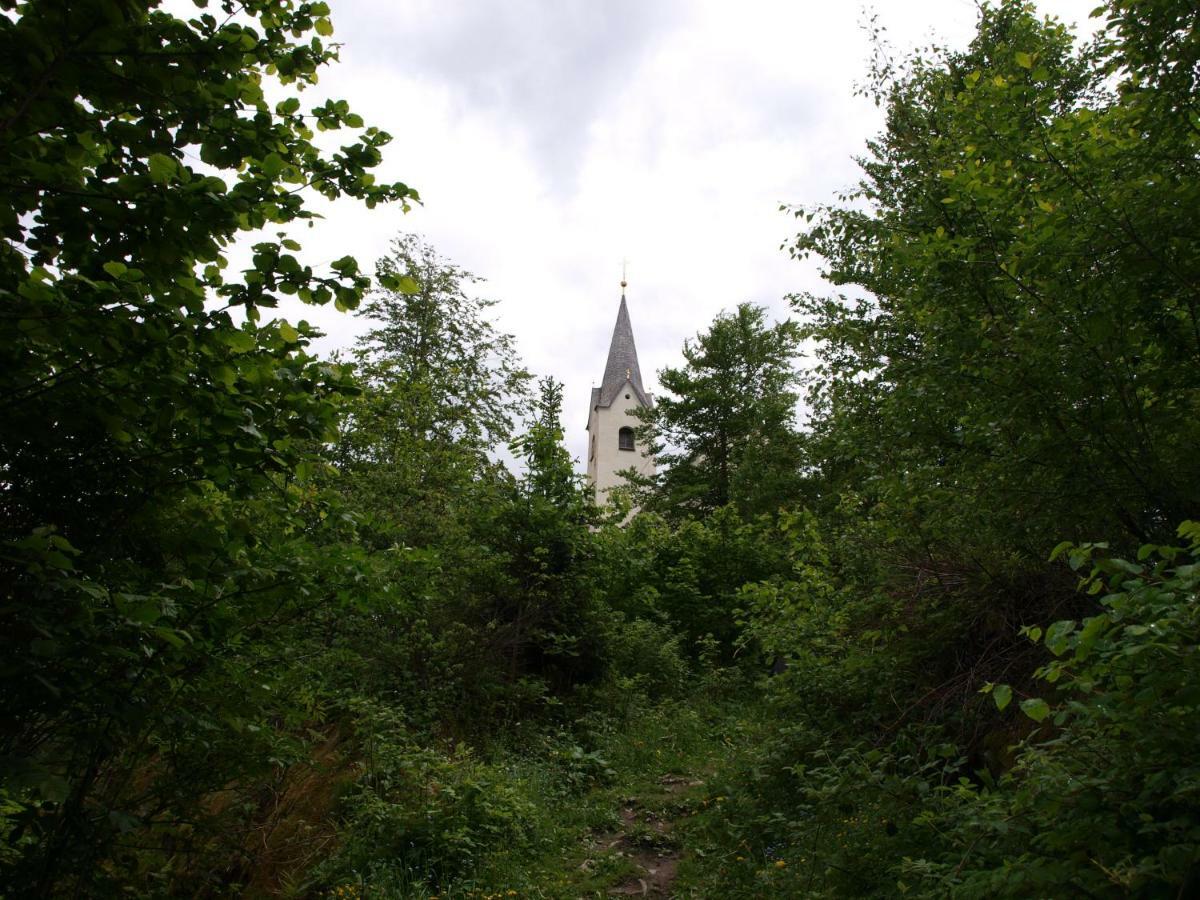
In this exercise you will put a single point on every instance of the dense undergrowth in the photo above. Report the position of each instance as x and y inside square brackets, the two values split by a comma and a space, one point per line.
[1082, 786]
[279, 626]
[516, 816]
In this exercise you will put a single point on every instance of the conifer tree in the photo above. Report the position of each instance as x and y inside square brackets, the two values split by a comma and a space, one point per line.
[724, 430]
[442, 388]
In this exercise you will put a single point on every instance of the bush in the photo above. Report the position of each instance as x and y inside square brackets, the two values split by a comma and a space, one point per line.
[1104, 799]
[1101, 798]
[420, 815]
[645, 659]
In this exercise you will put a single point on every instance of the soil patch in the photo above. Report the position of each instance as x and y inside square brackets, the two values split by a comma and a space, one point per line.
[646, 839]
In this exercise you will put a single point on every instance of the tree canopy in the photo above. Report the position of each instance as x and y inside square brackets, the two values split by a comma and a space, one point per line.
[272, 625]
[156, 428]
[442, 391]
[724, 431]
[1028, 337]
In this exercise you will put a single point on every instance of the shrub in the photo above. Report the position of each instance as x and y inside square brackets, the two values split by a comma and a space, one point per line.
[422, 815]
[1104, 799]
[645, 659]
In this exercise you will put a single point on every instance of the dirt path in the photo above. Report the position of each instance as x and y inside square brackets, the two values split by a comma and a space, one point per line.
[646, 840]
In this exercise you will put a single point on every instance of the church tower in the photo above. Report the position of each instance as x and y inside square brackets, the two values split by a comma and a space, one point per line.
[612, 439]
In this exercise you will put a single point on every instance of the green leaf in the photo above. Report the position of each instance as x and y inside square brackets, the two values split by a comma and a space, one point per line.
[172, 636]
[162, 168]
[1002, 694]
[324, 27]
[288, 333]
[141, 610]
[116, 428]
[1092, 629]
[115, 269]
[53, 788]
[1024, 60]
[225, 375]
[271, 165]
[1036, 708]
[239, 341]
[58, 560]
[1057, 636]
[408, 285]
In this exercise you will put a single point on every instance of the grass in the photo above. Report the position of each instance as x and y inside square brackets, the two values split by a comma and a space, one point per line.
[657, 758]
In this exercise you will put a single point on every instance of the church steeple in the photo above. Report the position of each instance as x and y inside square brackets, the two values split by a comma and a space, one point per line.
[613, 446]
[622, 365]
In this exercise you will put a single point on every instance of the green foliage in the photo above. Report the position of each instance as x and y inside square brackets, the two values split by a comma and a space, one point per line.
[450, 374]
[1099, 800]
[723, 432]
[585, 769]
[156, 430]
[482, 611]
[1024, 362]
[419, 814]
[549, 474]
[645, 659]
[442, 389]
[799, 612]
[690, 573]
[485, 599]
[553, 617]
[1016, 364]
[273, 624]
[1108, 801]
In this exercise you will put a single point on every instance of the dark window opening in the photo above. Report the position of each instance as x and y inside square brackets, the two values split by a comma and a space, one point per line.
[625, 439]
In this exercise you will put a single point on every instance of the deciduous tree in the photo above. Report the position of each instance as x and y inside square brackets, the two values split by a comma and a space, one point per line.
[153, 424]
[1021, 361]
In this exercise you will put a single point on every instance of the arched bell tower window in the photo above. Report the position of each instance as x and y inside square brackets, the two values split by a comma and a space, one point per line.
[625, 439]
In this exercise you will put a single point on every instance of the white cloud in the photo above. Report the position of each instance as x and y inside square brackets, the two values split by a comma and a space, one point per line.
[550, 140]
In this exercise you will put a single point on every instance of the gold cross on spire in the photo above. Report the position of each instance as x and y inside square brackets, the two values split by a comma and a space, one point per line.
[624, 283]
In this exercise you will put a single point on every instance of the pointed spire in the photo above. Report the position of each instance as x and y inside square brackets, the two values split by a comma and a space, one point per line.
[622, 365]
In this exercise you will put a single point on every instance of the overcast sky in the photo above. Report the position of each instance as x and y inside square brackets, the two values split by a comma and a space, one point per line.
[552, 139]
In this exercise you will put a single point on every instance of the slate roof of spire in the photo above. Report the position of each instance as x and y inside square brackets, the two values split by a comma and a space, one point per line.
[622, 364]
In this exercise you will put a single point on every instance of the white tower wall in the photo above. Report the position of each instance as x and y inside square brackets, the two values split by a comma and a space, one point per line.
[609, 412]
[605, 456]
